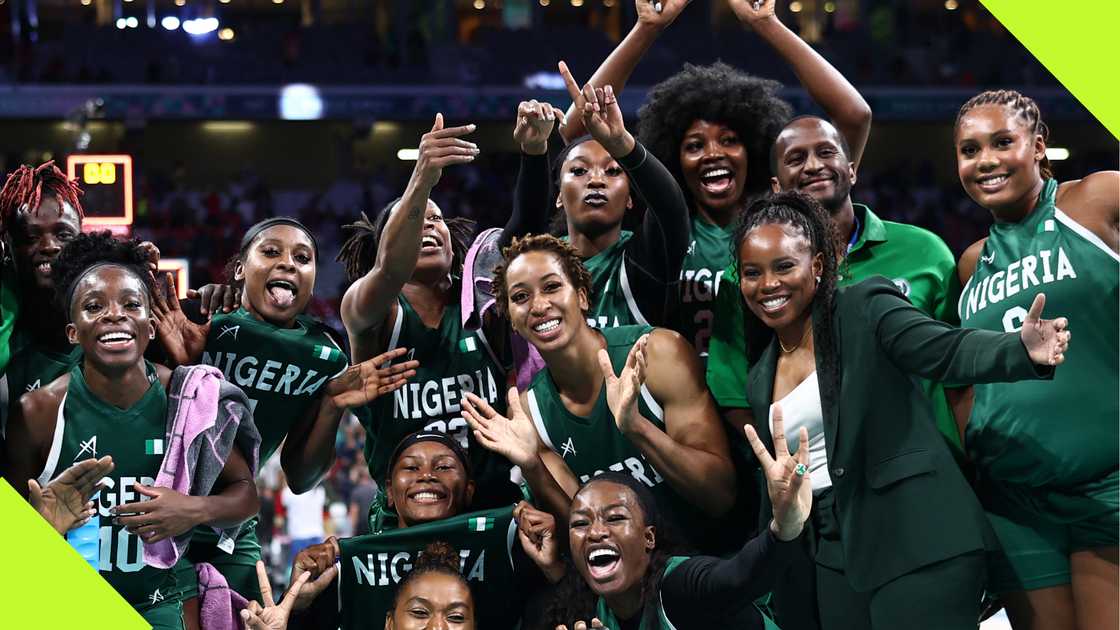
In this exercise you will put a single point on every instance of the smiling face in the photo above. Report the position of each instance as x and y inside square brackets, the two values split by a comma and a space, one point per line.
[811, 160]
[110, 313]
[433, 601]
[38, 237]
[998, 156]
[544, 307]
[714, 163]
[428, 483]
[777, 274]
[278, 270]
[594, 190]
[436, 255]
[609, 538]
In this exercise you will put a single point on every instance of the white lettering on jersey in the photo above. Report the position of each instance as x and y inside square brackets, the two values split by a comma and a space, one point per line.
[1019, 276]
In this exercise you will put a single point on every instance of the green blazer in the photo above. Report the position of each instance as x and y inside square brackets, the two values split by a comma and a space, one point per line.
[901, 501]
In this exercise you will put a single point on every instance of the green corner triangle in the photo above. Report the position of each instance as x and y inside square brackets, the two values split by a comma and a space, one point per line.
[48, 585]
[1076, 41]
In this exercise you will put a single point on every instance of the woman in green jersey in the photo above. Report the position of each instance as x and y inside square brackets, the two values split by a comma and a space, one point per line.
[896, 533]
[290, 365]
[406, 266]
[628, 573]
[114, 402]
[629, 398]
[1046, 454]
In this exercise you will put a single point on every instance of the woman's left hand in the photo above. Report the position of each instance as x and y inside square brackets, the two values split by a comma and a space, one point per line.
[1046, 340]
[271, 616]
[537, 532]
[622, 390]
[601, 115]
[361, 383]
[167, 514]
[752, 12]
[791, 496]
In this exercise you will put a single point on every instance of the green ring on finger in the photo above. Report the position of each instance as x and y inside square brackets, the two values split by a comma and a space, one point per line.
[800, 469]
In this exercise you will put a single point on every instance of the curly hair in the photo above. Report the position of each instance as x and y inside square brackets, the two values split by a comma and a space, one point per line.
[359, 251]
[1023, 107]
[808, 216]
[573, 599]
[437, 557]
[717, 93]
[24, 188]
[95, 248]
[573, 267]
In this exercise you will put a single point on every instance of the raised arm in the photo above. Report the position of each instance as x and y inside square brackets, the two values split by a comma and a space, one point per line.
[616, 69]
[691, 453]
[531, 205]
[367, 303]
[827, 87]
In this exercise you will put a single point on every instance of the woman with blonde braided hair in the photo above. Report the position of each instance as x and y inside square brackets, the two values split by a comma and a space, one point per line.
[1047, 477]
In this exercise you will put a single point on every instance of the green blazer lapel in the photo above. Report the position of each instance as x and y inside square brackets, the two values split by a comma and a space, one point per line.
[830, 404]
[761, 390]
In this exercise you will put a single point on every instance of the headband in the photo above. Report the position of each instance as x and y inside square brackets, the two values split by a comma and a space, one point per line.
[94, 267]
[429, 436]
[256, 230]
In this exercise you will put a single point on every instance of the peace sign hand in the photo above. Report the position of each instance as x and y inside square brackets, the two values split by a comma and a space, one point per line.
[271, 616]
[362, 383]
[601, 116]
[622, 390]
[753, 12]
[791, 496]
[535, 121]
[1046, 340]
[182, 339]
[439, 148]
[515, 437]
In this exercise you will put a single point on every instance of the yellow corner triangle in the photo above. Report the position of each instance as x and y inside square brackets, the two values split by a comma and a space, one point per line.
[47, 584]
[1077, 44]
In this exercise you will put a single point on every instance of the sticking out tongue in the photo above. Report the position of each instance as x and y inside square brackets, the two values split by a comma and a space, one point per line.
[718, 185]
[283, 296]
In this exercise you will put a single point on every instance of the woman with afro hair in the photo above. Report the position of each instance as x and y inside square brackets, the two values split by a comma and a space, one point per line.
[114, 402]
[713, 127]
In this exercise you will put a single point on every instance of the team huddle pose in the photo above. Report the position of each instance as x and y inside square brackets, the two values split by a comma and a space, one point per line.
[762, 407]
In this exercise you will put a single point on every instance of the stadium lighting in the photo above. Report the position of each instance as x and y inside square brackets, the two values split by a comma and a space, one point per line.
[122, 23]
[226, 34]
[300, 101]
[180, 3]
[86, 3]
[830, 7]
[408, 155]
[169, 22]
[795, 6]
[224, 1]
[608, 3]
[544, 3]
[277, 1]
[132, 22]
[1057, 154]
[951, 5]
[201, 26]
[577, 3]
[480, 4]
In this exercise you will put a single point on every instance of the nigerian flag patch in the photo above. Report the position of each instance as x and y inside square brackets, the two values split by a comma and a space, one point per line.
[480, 523]
[468, 344]
[327, 353]
[153, 447]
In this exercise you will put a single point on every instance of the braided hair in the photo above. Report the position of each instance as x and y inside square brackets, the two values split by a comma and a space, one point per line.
[573, 266]
[1023, 106]
[717, 93]
[359, 251]
[805, 214]
[24, 189]
[573, 599]
[437, 557]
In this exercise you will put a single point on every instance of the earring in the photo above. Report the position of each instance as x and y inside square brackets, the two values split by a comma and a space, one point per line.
[818, 279]
[151, 334]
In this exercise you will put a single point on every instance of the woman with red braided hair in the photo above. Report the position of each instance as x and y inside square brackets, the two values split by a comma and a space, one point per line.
[1045, 452]
[39, 213]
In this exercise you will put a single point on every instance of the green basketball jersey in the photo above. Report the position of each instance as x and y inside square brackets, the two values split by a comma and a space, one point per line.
[1064, 431]
[281, 370]
[701, 271]
[88, 427]
[609, 621]
[33, 366]
[915, 259]
[452, 360]
[9, 310]
[612, 300]
[371, 566]
[593, 445]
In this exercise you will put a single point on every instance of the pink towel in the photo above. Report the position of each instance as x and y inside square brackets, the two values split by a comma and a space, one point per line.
[219, 606]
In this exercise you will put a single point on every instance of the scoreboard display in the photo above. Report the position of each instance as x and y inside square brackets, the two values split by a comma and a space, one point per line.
[107, 183]
[181, 268]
